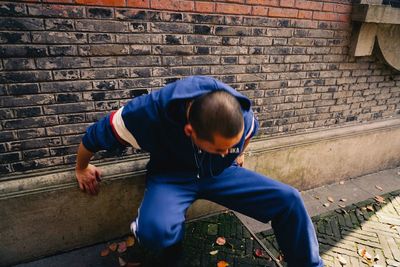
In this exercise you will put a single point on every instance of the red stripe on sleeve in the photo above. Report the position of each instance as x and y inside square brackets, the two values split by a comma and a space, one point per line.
[115, 132]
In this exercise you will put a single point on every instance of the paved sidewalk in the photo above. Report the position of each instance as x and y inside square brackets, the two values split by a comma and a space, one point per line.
[348, 219]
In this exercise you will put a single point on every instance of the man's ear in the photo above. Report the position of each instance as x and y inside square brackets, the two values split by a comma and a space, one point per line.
[188, 129]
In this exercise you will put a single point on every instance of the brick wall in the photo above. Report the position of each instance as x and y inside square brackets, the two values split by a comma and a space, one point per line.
[66, 64]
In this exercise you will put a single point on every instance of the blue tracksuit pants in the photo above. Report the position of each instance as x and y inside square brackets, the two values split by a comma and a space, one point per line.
[161, 217]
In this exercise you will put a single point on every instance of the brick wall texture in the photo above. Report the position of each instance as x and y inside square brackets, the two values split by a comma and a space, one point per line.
[66, 64]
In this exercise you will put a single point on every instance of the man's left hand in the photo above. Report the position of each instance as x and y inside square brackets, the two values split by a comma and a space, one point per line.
[240, 160]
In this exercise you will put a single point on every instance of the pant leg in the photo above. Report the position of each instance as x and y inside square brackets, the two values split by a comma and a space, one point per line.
[266, 200]
[161, 216]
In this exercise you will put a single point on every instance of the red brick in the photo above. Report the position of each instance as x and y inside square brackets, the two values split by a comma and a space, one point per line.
[343, 8]
[204, 7]
[287, 3]
[260, 11]
[172, 5]
[138, 3]
[309, 5]
[59, 1]
[263, 2]
[283, 12]
[303, 14]
[328, 7]
[233, 9]
[325, 16]
[234, 1]
[102, 2]
[344, 17]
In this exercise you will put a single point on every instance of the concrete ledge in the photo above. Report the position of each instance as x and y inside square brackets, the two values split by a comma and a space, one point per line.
[45, 213]
[313, 159]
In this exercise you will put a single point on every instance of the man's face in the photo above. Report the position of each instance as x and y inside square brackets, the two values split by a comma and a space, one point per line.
[221, 145]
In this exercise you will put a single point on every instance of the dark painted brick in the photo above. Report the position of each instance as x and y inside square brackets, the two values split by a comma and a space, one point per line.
[200, 60]
[103, 50]
[71, 118]
[31, 133]
[68, 108]
[203, 50]
[172, 17]
[167, 71]
[229, 60]
[35, 154]
[36, 164]
[138, 27]
[71, 139]
[173, 39]
[31, 122]
[130, 14]
[103, 61]
[105, 85]
[100, 38]
[99, 13]
[138, 61]
[135, 93]
[101, 26]
[238, 31]
[67, 129]
[19, 64]
[67, 98]
[170, 80]
[140, 72]
[61, 151]
[59, 24]
[103, 105]
[6, 114]
[104, 73]
[5, 169]
[72, 86]
[10, 157]
[66, 74]
[202, 29]
[59, 37]
[14, 37]
[62, 62]
[3, 89]
[209, 19]
[63, 50]
[44, 10]
[21, 24]
[7, 136]
[28, 112]
[139, 50]
[144, 83]
[171, 28]
[26, 76]
[12, 10]
[22, 51]
[173, 50]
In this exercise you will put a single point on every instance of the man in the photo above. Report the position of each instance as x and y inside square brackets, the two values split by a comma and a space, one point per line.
[196, 130]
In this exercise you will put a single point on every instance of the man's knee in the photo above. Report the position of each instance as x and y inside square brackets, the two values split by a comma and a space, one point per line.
[290, 196]
[157, 233]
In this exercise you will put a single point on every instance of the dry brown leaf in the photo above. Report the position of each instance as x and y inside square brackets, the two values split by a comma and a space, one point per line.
[113, 246]
[121, 261]
[342, 260]
[341, 182]
[362, 252]
[378, 187]
[316, 197]
[122, 247]
[220, 241]
[214, 252]
[330, 199]
[222, 264]
[393, 226]
[370, 208]
[326, 204]
[105, 252]
[380, 199]
[343, 199]
[130, 241]
[341, 205]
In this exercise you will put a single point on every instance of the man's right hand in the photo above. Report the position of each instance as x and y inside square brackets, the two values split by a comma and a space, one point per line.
[88, 179]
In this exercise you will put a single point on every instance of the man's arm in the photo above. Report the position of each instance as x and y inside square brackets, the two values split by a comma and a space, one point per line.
[87, 174]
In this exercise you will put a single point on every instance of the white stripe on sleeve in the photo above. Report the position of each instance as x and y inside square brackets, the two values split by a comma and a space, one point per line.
[121, 129]
[251, 129]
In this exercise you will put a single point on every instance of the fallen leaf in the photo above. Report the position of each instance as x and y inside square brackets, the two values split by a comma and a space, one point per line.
[133, 264]
[280, 258]
[393, 226]
[330, 199]
[121, 261]
[214, 252]
[368, 256]
[222, 264]
[258, 252]
[220, 241]
[113, 246]
[378, 187]
[362, 252]
[370, 208]
[342, 260]
[376, 257]
[343, 199]
[341, 182]
[342, 206]
[380, 199]
[105, 252]
[316, 197]
[130, 241]
[326, 204]
[122, 247]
